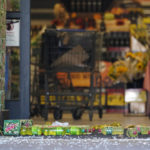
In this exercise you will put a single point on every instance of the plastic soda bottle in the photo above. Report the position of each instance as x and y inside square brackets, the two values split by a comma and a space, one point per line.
[83, 131]
[118, 131]
[52, 131]
[145, 130]
[132, 132]
[74, 131]
[86, 130]
[39, 131]
[57, 131]
[23, 131]
[46, 132]
[34, 130]
[29, 131]
[107, 130]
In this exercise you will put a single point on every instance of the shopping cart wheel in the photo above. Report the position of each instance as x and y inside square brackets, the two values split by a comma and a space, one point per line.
[77, 113]
[57, 113]
[100, 112]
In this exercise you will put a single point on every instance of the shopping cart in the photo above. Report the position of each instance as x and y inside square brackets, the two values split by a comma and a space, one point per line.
[68, 76]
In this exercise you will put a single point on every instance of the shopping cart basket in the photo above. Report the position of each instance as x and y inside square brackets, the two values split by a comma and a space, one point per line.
[68, 77]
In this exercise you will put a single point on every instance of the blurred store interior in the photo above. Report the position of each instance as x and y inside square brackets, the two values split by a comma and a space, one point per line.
[88, 57]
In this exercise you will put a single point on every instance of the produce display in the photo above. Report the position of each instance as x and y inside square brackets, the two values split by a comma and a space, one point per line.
[26, 128]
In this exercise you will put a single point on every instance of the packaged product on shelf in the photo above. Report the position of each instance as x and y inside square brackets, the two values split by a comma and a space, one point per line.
[56, 131]
[107, 130]
[74, 131]
[113, 129]
[12, 127]
[86, 130]
[28, 131]
[145, 130]
[46, 131]
[26, 123]
[36, 130]
[23, 131]
[98, 128]
[133, 131]
[118, 131]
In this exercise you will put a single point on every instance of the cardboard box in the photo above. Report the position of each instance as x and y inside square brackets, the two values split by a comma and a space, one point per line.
[26, 123]
[12, 127]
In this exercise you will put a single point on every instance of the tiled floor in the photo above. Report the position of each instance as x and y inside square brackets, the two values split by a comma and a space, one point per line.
[9, 143]
[107, 119]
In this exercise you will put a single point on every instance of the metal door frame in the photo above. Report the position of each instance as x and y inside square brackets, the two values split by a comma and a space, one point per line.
[21, 109]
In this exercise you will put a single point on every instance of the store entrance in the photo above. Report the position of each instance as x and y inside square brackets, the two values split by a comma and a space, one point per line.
[85, 57]
[74, 70]
[116, 65]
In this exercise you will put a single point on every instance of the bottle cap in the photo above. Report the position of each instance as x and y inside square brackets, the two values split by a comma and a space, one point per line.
[83, 130]
[68, 131]
[90, 130]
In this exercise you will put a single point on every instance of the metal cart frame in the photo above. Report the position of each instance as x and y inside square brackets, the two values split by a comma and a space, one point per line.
[92, 90]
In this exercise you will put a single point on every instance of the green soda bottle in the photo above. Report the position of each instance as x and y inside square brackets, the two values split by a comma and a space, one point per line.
[132, 132]
[107, 130]
[29, 131]
[118, 131]
[83, 131]
[52, 131]
[23, 131]
[145, 130]
[67, 131]
[39, 131]
[34, 130]
[60, 131]
[46, 132]
[56, 131]
[74, 131]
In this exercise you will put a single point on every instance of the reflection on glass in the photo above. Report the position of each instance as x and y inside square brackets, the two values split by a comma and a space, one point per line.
[13, 5]
[12, 74]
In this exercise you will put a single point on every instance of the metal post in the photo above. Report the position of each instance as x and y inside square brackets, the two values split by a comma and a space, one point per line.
[2, 53]
[25, 60]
